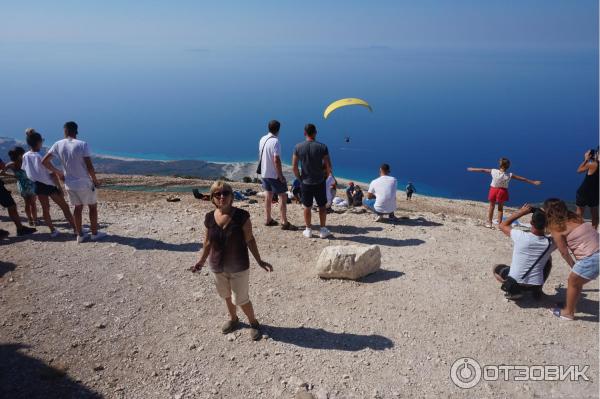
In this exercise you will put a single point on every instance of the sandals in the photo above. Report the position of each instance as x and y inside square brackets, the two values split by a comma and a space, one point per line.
[288, 226]
[271, 223]
[556, 312]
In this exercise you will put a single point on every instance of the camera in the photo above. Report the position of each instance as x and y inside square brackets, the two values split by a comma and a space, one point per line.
[534, 209]
[592, 153]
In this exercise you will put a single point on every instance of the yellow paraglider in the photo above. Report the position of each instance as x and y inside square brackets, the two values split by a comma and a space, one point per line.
[343, 103]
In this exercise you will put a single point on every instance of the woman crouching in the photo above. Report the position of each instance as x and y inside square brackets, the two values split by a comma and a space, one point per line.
[227, 240]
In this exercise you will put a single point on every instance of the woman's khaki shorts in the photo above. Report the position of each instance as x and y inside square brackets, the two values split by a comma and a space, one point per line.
[234, 286]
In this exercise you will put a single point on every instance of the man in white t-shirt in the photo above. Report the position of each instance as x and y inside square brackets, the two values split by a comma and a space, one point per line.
[381, 197]
[531, 259]
[273, 181]
[79, 176]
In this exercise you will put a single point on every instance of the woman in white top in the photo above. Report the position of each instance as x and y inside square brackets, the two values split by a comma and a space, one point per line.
[46, 185]
[331, 187]
[498, 193]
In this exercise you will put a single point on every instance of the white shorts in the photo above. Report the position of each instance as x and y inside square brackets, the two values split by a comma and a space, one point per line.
[87, 196]
[234, 286]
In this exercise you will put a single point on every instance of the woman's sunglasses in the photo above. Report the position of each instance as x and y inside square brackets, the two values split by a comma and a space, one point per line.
[223, 194]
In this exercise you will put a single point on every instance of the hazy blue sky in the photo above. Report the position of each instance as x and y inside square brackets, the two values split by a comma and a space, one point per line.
[468, 23]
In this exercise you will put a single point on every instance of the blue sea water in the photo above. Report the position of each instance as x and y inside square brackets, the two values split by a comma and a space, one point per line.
[435, 111]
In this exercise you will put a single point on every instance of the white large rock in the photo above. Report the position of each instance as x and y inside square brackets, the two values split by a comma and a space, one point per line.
[351, 262]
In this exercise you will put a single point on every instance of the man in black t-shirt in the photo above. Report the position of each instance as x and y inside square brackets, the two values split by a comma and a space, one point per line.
[316, 166]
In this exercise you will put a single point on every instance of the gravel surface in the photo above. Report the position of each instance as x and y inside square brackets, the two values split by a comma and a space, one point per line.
[124, 318]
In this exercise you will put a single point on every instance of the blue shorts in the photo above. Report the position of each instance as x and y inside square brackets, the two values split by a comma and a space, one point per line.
[587, 267]
[369, 203]
[274, 186]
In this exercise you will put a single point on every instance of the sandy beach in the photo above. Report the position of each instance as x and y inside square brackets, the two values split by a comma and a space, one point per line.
[125, 318]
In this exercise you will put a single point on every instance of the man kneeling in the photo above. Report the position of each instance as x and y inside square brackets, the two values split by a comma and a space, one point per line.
[531, 260]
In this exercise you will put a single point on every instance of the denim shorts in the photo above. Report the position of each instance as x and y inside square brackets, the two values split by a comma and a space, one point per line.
[369, 203]
[587, 267]
[274, 186]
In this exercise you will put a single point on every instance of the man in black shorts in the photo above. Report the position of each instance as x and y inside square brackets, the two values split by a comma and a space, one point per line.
[7, 201]
[312, 155]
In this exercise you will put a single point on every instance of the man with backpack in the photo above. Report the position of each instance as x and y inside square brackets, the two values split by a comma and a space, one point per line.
[531, 260]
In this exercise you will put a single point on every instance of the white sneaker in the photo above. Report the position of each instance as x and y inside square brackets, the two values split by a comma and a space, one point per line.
[307, 233]
[379, 218]
[98, 236]
[324, 232]
[54, 233]
[82, 238]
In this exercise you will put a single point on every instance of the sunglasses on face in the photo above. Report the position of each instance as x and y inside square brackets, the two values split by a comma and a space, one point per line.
[223, 194]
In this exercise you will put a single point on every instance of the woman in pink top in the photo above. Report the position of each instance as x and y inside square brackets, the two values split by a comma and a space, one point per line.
[570, 233]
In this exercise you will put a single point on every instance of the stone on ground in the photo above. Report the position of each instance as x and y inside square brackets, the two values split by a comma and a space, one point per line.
[348, 262]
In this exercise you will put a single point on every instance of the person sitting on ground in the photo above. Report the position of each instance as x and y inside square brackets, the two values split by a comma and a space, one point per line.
[331, 187]
[588, 193]
[273, 180]
[531, 259]
[357, 197]
[312, 156]
[226, 243]
[25, 186]
[410, 189]
[498, 193]
[7, 202]
[381, 197]
[350, 194]
[79, 176]
[295, 190]
[46, 184]
[571, 233]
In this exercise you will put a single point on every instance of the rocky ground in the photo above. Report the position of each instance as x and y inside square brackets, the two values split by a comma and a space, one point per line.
[124, 318]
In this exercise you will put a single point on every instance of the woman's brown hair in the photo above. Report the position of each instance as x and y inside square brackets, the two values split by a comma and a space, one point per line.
[504, 163]
[558, 214]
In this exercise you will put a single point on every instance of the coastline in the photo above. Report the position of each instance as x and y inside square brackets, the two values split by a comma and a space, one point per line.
[161, 165]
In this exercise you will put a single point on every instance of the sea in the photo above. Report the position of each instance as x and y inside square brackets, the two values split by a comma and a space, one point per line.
[435, 111]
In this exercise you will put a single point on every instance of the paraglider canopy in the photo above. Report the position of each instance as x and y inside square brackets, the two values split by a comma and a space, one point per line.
[343, 103]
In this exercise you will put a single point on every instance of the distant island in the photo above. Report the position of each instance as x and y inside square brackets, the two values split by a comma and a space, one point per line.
[181, 168]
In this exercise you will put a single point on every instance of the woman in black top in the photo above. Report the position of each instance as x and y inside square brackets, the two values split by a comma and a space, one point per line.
[226, 243]
[587, 194]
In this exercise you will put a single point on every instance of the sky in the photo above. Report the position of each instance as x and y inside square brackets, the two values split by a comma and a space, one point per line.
[271, 23]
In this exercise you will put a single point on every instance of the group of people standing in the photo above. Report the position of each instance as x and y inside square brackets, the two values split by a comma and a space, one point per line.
[39, 180]
[315, 184]
[229, 238]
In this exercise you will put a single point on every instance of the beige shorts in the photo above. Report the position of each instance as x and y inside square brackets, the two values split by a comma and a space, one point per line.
[87, 196]
[234, 286]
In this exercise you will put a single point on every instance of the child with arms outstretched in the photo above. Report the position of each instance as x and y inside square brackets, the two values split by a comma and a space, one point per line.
[498, 193]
